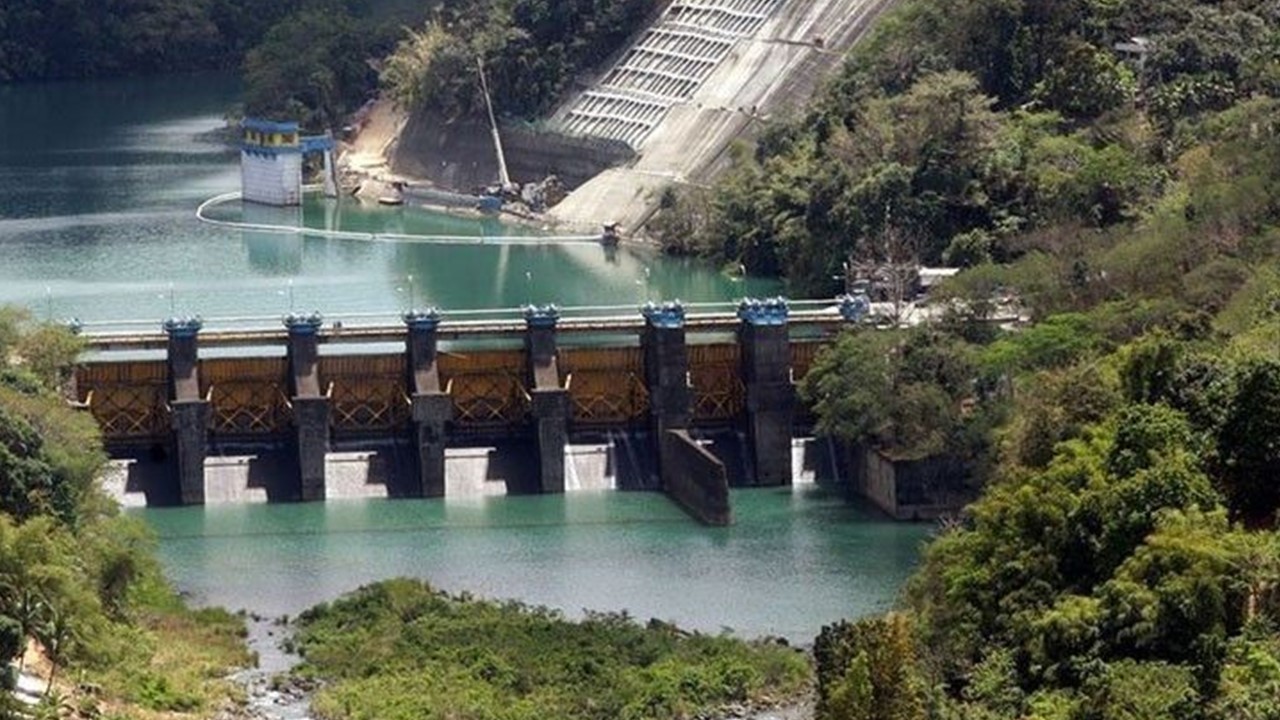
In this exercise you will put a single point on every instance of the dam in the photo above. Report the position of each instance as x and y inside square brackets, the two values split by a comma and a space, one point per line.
[98, 225]
[661, 400]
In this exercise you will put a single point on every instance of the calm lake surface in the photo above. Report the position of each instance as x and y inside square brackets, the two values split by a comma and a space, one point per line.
[99, 183]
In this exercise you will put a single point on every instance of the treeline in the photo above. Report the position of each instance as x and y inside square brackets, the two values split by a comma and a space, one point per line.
[66, 39]
[1123, 560]
[323, 61]
[967, 125]
[532, 51]
[1122, 563]
[310, 60]
[82, 598]
[319, 60]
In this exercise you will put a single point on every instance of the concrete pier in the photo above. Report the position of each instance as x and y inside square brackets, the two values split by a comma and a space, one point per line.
[432, 407]
[189, 412]
[688, 473]
[310, 405]
[549, 403]
[695, 479]
[770, 393]
[666, 370]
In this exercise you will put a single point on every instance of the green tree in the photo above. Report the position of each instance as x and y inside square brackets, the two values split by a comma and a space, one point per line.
[850, 387]
[1176, 598]
[1085, 81]
[1131, 690]
[1249, 443]
[867, 671]
[12, 640]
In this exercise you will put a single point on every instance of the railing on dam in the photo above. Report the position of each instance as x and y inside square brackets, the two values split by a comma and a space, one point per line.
[458, 375]
[377, 327]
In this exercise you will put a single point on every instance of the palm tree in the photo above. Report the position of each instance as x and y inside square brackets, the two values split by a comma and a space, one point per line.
[54, 633]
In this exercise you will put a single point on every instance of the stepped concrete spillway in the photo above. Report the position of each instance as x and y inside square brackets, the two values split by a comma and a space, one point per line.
[705, 73]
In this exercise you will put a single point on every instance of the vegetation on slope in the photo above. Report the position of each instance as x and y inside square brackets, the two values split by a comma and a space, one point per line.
[1104, 579]
[309, 60]
[401, 650]
[65, 39]
[980, 130]
[1123, 561]
[532, 51]
[78, 582]
[320, 61]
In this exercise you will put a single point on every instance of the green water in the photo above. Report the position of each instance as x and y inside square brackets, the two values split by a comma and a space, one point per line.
[99, 183]
[793, 561]
[98, 187]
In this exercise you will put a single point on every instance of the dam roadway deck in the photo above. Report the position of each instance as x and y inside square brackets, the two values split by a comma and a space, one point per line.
[706, 73]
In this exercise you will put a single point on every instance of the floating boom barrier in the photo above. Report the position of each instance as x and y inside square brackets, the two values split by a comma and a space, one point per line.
[202, 216]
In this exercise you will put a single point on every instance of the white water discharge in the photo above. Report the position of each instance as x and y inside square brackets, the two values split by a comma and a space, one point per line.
[814, 460]
[467, 473]
[590, 467]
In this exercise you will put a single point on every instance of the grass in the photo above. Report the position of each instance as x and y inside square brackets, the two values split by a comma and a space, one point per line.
[173, 661]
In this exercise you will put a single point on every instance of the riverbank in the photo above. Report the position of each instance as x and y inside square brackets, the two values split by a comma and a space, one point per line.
[173, 661]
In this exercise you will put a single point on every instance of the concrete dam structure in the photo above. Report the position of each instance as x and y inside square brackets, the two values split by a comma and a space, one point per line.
[658, 401]
[664, 112]
[704, 74]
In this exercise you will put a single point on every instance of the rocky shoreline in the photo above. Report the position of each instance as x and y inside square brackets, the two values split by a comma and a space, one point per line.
[271, 690]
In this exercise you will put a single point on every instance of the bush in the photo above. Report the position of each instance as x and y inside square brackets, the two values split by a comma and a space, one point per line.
[399, 649]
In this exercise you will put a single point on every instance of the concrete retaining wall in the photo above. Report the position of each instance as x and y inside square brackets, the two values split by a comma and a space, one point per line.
[460, 155]
[923, 489]
[695, 479]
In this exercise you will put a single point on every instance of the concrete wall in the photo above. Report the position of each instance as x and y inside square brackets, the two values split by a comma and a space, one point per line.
[271, 179]
[922, 489]
[695, 479]
[460, 155]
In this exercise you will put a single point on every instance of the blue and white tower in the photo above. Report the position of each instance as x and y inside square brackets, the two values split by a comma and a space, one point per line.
[271, 162]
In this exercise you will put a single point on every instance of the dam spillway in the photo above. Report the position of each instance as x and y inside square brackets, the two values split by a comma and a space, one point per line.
[575, 401]
[705, 73]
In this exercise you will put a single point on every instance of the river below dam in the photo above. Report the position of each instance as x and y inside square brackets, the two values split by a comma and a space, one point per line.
[795, 558]
[99, 183]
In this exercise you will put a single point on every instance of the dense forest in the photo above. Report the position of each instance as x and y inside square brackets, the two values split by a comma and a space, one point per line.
[1123, 560]
[311, 60]
[82, 598]
[979, 131]
[66, 39]
[320, 60]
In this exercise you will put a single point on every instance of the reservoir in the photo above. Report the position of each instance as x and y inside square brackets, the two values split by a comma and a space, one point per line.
[99, 183]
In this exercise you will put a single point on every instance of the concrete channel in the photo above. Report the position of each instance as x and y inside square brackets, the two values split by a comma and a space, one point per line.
[704, 74]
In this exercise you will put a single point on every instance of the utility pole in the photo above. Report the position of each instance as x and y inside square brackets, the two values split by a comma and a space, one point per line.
[503, 176]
